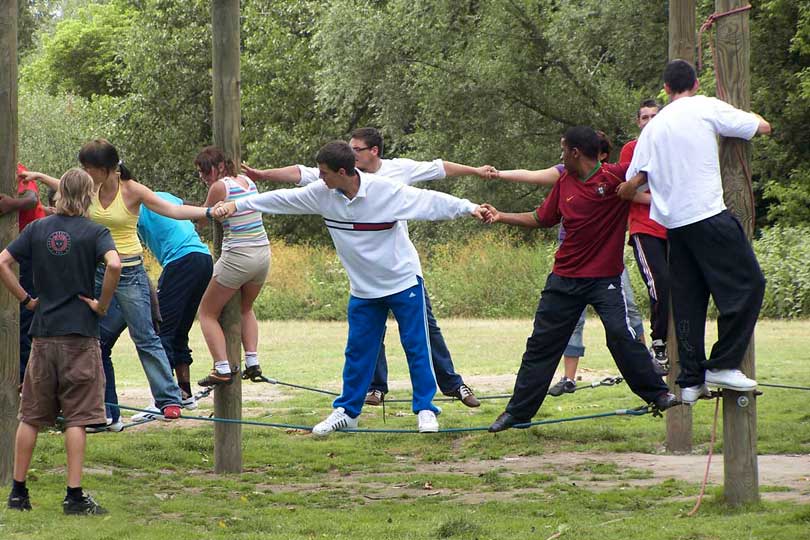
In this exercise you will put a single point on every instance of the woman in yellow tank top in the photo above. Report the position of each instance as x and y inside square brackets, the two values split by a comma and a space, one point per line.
[116, 205]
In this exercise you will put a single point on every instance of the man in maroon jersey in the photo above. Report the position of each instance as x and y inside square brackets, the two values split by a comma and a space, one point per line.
[587, 270]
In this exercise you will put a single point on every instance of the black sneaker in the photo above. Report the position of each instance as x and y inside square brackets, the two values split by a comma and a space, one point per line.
[565, 386]
[660, 358]
[254, 373]
[84, 506]
[19, 502]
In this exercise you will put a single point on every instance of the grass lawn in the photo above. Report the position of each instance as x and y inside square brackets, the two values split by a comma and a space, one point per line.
[606, 478]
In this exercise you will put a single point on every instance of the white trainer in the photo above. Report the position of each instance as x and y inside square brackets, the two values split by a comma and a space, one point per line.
[335, 421]
[733, 379]
[153, 413]
[691, 394]
[427, 422]
[188, 402]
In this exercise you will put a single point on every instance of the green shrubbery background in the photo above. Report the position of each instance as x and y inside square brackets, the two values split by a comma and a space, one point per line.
[495, 275]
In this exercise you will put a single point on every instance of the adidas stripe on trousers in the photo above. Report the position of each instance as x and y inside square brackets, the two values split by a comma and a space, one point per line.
[561, 303]
[367, 318]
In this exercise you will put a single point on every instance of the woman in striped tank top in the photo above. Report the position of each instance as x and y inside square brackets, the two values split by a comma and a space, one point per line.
[243, 266]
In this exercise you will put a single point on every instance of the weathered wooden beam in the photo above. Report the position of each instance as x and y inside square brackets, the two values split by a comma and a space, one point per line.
[227, 120]
[9, 307]
[741, 476]
[682, 44]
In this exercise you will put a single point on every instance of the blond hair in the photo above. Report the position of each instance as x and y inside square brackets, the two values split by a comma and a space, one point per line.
[75, 193]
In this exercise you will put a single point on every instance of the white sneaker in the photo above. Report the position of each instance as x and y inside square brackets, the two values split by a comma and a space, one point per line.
[733, 379]
[108, 426]
[427, 422]
[152, 414]
[691, 394]
[337, 420]
[188, 402]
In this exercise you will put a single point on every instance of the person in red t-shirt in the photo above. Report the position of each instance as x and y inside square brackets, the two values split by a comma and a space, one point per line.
[28, 207]
[587, 270]
[649, 242]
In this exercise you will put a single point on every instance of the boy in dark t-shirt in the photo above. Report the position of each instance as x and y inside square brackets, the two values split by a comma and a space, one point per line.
[587, 270]
[64, 369]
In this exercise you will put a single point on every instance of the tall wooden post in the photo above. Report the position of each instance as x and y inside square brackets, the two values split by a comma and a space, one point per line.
[741, 478]
[227, 119]
[682, 44]
[9, 308]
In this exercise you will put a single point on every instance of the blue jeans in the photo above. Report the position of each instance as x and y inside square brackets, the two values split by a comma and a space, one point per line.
[576, 345]
[367, 318]
[446, 376]
[131, 307]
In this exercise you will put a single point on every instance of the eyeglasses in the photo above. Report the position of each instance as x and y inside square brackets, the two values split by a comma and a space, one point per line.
[358, 150]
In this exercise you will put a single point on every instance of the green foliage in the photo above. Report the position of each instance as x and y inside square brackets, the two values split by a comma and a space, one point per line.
[82, 56]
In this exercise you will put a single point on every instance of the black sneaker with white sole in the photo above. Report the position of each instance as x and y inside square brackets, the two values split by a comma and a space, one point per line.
[82, 506]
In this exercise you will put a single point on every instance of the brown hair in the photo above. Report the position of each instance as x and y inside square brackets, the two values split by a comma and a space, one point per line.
[75, 193]
[210, 157]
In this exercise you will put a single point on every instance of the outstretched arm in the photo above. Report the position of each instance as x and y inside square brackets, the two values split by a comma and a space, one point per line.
[287, 174]
[165, 208]
[26, 201]
[543, 177]
[764, 128]
[49, 181]
[523, 219]
[457, 169]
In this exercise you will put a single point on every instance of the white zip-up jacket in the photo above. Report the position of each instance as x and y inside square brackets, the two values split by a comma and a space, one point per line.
[369, 231]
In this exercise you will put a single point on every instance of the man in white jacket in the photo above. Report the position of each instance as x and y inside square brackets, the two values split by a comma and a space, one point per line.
[368, 145]
[366, 215]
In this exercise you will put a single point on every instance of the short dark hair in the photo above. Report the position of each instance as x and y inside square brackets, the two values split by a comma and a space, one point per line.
[102, 154]
[605, 145]
[680, 76]
[647, 104]
[371, 137]
[584, 139]
[337, 155]
[210, 157]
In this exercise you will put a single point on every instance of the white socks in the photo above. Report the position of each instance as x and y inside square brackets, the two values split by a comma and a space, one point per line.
[251, 359]
[223, 367]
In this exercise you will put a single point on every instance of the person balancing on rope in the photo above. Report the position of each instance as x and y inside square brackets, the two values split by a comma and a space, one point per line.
[677, 156]
[365, 215]
[587, 270]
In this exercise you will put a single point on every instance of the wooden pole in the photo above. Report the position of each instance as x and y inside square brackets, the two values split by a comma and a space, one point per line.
[9, 307]
[732, 64]
[227, 119]
[682, 44]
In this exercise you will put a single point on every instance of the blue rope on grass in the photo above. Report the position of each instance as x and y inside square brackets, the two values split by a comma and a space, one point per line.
[638, 411]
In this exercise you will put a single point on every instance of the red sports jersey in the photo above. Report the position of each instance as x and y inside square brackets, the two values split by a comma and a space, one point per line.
[27, 216]
[639, 220]
[595, 221]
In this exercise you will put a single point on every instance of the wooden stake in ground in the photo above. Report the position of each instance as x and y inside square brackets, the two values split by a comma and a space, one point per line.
[227, 119]
[682, 43]
[9, 307]
[732, 64]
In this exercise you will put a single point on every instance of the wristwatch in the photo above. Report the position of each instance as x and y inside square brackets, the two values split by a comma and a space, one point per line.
[24, 301]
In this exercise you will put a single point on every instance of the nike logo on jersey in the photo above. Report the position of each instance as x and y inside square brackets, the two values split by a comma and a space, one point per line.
[568, 199]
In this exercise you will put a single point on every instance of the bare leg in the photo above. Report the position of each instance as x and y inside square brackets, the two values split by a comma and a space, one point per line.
[183, 373]
[24, 449]
[213, 300]
[250, 327]
[571, 363]
[75, 441]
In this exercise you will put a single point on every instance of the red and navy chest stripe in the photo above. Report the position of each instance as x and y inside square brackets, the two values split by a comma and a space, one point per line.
[358, 226]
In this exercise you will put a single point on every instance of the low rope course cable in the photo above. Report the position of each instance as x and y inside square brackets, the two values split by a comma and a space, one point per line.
[638, 411]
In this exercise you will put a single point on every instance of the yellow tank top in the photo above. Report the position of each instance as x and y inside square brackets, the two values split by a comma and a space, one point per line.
[122, 223]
